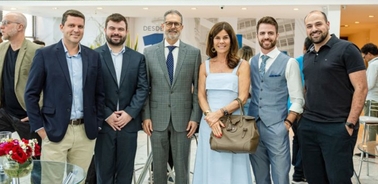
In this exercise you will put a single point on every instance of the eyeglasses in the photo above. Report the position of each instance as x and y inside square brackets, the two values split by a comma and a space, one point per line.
[6, 22]
[174, 24]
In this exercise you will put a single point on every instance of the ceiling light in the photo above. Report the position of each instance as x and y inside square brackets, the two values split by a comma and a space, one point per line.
[145, 8]
[194, 8]
[356, 22]
[99, 8]
[371, 16]
[13, 8]
[55, 8]
[244, 8]
[296, 9]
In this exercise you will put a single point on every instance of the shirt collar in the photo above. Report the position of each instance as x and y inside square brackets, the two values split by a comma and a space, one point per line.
[177, 44]
[66, 50]
[272, 54]
[374, 59]
[121, 52]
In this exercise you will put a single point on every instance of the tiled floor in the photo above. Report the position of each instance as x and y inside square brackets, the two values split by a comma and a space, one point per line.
[142, 156]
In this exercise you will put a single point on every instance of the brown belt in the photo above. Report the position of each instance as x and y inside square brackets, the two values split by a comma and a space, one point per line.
[76, 121]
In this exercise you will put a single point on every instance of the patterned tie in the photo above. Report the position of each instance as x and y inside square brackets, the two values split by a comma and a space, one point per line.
[264, 58]
[170, 62]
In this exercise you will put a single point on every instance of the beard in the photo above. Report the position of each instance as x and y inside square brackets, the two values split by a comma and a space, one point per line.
[121, 40]
[170, 36]
[270, 46]
[9, 34]
[320, 39]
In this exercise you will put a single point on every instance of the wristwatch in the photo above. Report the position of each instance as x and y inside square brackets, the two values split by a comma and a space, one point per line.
[351, 125]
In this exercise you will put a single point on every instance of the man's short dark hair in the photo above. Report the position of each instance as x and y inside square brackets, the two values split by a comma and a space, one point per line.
[307, 43]
[73, 13]
[115, 17]
[369, 48]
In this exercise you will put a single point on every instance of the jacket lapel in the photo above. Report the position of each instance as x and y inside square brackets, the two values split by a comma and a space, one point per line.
[108, 60]
[125, 65]
[61, 58]
[160, 53]
[19, 60]
[3, 52]
[180, 60]
[85, 62]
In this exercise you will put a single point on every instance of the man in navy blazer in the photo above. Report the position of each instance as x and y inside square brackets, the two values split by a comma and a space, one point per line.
[126, 90]
[70, 78]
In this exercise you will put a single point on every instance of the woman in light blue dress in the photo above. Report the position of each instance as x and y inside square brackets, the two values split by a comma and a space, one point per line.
[222, 79]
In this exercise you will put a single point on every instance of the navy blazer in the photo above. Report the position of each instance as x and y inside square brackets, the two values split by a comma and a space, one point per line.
[49, 75]
[132, 91]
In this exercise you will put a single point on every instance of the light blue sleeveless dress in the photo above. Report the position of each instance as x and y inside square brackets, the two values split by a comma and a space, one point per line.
[212, 167]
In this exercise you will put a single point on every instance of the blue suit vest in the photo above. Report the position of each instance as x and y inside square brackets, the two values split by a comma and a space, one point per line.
[270, 92]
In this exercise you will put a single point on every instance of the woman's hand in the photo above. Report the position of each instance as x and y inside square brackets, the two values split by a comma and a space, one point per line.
[216, 128]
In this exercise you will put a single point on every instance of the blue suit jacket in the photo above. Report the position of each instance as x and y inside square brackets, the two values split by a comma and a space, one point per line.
[132, 91]
[49, 74]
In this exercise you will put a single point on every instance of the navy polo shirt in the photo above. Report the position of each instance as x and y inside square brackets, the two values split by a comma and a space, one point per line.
[329, 91]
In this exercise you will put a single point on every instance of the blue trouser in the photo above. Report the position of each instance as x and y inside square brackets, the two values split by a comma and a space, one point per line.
[327, 150]
[272, 154]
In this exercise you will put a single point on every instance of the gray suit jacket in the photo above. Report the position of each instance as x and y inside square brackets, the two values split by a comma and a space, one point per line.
[178, 101]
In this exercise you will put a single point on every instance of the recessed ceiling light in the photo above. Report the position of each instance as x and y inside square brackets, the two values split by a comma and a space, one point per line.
[145, 8]
[296, 9]
[99, 8]
[244, 8]
[356, 22]
[13, 8]
[194, 8]
[371, 16]
[55, 8]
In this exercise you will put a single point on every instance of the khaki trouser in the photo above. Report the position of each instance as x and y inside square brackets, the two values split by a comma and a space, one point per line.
[75, 148]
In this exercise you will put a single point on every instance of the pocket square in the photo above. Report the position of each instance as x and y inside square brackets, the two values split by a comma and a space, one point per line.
[272, 75]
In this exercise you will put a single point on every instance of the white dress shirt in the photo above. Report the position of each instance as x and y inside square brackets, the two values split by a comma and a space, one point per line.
[372, 80]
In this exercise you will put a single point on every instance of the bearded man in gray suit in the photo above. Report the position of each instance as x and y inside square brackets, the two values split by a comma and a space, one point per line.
[171, 113]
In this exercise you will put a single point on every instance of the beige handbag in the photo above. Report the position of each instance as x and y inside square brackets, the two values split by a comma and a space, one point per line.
[240, 134]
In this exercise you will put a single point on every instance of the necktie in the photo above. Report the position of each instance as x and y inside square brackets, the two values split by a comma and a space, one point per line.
[170, 62]
[264, 58]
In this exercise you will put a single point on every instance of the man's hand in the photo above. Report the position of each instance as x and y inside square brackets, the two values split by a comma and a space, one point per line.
[111, 121]
[192, 127]
[147, 126]
[24, 120]
[42, 133]
[122, 119]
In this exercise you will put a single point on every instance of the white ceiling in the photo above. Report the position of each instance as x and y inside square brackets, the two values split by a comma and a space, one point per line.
[350, 11]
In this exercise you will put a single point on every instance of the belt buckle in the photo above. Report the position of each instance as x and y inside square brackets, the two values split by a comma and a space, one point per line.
[75, 121]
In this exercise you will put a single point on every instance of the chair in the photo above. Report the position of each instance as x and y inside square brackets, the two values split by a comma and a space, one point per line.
[367, 121]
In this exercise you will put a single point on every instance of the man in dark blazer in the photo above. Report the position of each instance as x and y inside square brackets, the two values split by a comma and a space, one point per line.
[172, 108]
[126, 90]
[69, 75]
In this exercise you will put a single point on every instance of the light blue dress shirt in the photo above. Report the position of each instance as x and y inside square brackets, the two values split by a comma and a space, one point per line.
[75, 68]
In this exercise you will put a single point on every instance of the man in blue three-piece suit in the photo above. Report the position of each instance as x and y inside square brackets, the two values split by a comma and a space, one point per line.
[70, 78]
[274, 77]
[172, 113]
[126, 90]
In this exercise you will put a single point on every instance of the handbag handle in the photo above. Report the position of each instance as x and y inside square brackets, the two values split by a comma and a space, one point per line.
[240, 106]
